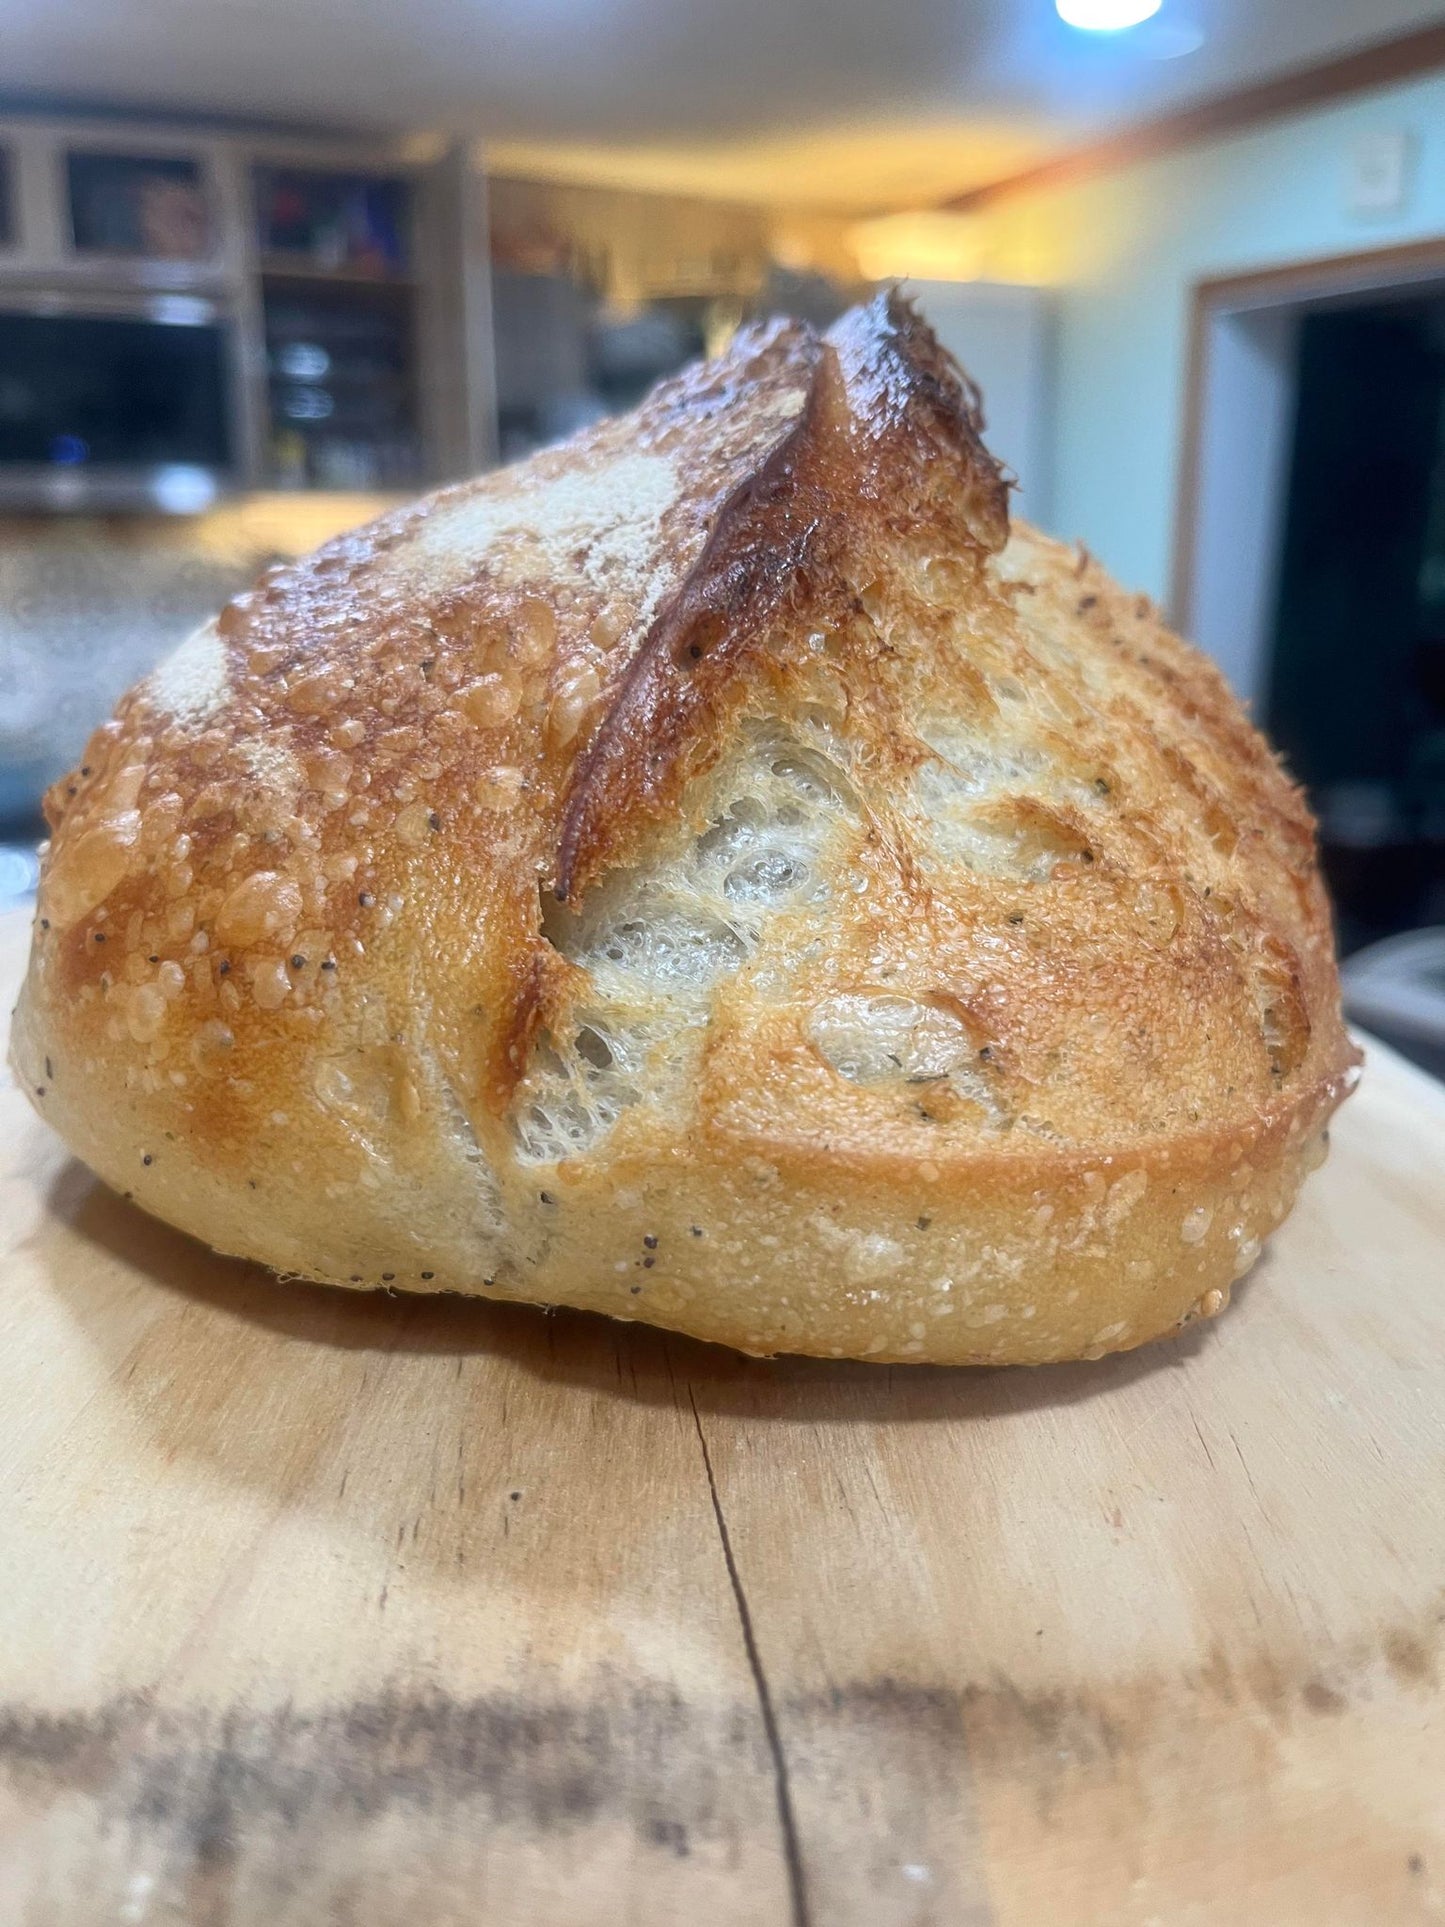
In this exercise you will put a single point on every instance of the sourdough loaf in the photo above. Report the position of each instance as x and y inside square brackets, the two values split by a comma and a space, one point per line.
[715, 873]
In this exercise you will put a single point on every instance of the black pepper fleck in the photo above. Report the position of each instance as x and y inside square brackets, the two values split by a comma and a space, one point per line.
[85, 769]
[40, 1090]
[1017, 918]
[356, 1277]
[45, 923]
[924, 1223]
[328, 963]
[636, 1289]
[155, 959]
[427, 1276]
[650, 1241]
[433, 819]
[387, 1276]
[365, 899]
[99, 936]
[223, 968]
[648, 1263]
[697, 1231]
[546, 1197]
[298, 962]
[147, 1158]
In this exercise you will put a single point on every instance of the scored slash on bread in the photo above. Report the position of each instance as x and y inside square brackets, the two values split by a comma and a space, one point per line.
[714, 873]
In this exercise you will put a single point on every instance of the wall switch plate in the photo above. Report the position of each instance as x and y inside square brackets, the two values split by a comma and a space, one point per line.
[1377, 178]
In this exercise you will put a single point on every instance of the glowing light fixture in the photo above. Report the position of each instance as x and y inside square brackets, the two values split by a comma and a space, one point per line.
[1106, 16]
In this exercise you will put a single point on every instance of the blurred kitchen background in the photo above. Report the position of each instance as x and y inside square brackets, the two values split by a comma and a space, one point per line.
[265, 268]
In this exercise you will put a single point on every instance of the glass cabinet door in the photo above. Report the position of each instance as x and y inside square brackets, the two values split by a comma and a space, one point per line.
[358, 224]
[141, 204]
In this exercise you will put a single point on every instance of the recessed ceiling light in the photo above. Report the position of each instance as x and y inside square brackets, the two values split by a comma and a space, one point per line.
[1106, 16]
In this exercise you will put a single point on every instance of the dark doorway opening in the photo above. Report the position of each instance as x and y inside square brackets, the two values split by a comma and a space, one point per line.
[1356, 692]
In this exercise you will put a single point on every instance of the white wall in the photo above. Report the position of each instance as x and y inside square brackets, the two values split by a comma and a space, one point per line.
[1123, 252]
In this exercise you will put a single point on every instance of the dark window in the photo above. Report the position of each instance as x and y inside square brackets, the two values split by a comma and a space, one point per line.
[137, 204]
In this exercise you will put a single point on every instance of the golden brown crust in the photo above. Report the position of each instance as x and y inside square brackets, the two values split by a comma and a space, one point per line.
[710, 873]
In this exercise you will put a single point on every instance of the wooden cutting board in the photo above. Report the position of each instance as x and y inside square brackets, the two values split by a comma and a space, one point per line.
[319, 1608]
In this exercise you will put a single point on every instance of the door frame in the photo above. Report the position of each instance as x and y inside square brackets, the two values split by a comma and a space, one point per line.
[1239, 393]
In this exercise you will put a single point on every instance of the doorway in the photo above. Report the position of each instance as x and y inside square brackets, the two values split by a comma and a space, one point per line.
[1310, 559]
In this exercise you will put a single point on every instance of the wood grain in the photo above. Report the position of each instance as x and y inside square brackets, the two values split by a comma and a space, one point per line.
[363, 1610]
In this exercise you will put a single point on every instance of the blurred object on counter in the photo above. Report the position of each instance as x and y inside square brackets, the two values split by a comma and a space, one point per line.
[630, 349]
[19, 874]
[1397, 989]
[804, 293]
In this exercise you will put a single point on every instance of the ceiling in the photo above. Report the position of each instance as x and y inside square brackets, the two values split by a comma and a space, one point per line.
[849, 103]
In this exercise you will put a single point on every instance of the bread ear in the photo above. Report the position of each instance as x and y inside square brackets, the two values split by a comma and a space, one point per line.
[882, 438]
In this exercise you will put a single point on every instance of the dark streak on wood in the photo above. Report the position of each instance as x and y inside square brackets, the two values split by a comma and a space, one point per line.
[198, 1788]
[232, 1806]
[205, 1792]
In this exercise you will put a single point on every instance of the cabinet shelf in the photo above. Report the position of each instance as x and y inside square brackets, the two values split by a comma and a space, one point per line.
[283, 267]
